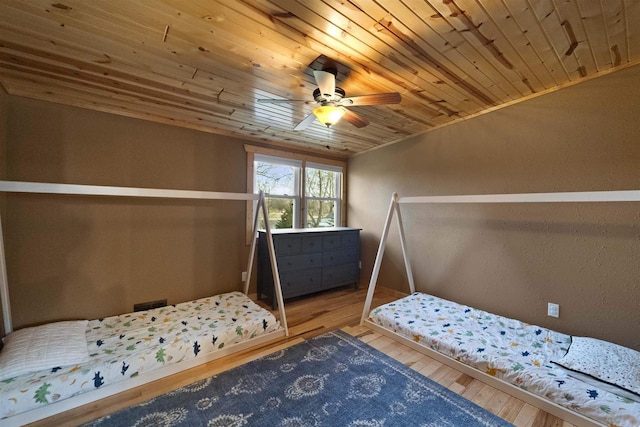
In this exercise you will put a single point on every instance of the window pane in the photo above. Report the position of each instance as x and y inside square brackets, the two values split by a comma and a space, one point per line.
[280, 212]
[321, 183]
[275, 179]
[320, 213]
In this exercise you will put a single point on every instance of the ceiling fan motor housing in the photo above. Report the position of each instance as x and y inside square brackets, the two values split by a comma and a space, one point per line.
[323, 100]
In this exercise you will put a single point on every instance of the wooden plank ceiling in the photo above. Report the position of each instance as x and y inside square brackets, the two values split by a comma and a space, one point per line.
[203, 63]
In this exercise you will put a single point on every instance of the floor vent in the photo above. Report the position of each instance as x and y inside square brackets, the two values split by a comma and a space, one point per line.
[142, 306]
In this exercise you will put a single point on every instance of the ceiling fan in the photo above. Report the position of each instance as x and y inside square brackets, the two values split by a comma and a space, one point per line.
[332, 102]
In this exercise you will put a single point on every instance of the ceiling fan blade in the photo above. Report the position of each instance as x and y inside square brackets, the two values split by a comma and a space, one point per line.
[326, 82]
[355, 119]
[375, 99]
[305, 123]
[283, 101]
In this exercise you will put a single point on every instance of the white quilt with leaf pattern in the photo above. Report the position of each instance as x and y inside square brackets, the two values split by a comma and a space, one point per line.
[514, 351]
[121, 347]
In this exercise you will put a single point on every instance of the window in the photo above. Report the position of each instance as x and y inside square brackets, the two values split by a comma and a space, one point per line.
[323, 184]
[280, 180]
[299, 193]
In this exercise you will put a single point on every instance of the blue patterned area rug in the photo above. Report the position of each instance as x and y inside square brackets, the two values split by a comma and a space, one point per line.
[331, 380]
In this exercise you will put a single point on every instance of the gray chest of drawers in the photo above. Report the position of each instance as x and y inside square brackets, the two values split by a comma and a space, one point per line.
[309, 260]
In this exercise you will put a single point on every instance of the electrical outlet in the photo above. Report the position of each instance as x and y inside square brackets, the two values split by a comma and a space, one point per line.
[244, 276]
[553, 310]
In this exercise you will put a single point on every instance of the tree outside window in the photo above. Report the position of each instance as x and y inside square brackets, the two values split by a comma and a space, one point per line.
[322, 201]
[279, 180]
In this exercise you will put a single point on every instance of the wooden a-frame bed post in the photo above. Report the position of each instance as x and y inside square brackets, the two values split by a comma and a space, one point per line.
[393, 207]
[4, 287]
[262, 207]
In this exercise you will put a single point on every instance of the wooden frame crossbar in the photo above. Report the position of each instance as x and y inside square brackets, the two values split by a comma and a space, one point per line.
[565, 197]
[100, 190]
[396, 200]
[96, 190]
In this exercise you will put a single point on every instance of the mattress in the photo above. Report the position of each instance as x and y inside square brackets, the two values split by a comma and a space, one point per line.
[513, 351]
[128, 345]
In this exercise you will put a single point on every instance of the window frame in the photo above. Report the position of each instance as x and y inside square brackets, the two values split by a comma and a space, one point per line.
[296, 197]
[337, 190]
[327, 163]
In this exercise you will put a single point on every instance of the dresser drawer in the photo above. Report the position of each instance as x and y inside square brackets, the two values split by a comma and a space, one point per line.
[332, 241]
[297, 262]
[288, 245]
[296, 283]
[339, 275]
[340, 256]
[350, 239]
[311, 244]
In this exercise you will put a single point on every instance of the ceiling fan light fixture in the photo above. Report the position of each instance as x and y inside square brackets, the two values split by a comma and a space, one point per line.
[328, 114]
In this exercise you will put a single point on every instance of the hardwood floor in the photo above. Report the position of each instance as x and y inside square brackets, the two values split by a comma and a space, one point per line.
[311, 316]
